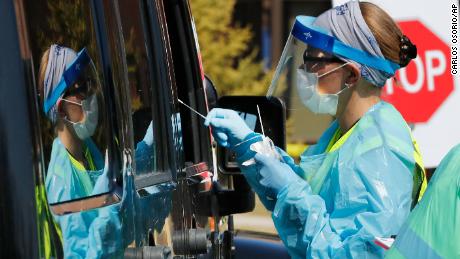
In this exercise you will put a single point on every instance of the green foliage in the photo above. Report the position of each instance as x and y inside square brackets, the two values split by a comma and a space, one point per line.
[68, 18]
[225, 48]
[68, 24]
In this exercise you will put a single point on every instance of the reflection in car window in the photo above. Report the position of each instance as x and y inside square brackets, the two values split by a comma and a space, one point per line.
[71, 96]
[74, 131]
[74, 134]
[140, 89]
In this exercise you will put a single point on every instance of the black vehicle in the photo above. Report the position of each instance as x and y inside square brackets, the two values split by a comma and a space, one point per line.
[146, 57]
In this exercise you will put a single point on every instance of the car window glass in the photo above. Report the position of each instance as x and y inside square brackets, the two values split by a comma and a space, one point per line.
[72, 103]
[143, 96]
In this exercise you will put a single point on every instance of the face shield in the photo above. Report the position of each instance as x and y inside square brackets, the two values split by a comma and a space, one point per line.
[85, 85]
[80, 87]
[309, 59]
[79, 79]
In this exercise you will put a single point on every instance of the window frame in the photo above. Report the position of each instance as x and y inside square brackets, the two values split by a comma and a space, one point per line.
[197, 141]
[160, 82]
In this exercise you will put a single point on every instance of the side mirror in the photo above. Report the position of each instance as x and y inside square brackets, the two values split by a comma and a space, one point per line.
[271, 123]
[233, 194]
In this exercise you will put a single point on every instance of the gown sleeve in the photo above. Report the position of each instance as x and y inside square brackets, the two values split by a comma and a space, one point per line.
[372, 201]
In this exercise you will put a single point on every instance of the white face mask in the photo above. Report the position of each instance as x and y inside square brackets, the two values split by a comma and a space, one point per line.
[307, 87]
[85, 129]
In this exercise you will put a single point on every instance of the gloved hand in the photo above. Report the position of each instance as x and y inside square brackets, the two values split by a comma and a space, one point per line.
[228, 128]
[272, 174]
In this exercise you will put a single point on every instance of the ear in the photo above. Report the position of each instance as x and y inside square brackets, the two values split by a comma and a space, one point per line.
[353, 75]
[60, 106]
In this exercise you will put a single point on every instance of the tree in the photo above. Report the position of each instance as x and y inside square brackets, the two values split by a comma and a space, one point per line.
[225, 47]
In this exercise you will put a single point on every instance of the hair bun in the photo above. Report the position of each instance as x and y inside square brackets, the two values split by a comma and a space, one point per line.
[407, 52]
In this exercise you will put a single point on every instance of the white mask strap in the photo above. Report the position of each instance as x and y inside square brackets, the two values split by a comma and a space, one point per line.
[328, 72]
[346, 87]
[71, 101]
[69, 121]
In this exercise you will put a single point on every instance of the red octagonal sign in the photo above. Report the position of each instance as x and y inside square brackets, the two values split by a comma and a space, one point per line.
[422, 86]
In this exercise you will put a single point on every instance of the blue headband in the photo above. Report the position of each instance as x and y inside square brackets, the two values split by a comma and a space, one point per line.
[314, 37]
[69, 77]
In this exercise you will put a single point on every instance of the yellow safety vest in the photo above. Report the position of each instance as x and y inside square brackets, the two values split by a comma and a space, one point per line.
[419, 176]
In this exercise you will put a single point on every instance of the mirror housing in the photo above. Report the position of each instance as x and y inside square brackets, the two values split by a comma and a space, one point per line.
[232, 194]
[226, 202]
[273, 115]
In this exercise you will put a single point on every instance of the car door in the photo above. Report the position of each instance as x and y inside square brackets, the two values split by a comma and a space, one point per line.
[136, 133]
[155, 155]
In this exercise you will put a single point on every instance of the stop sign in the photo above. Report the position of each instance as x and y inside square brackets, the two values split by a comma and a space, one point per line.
[422, 86]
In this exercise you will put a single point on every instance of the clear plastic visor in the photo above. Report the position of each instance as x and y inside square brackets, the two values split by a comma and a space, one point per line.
[86, 83]
[298, 56]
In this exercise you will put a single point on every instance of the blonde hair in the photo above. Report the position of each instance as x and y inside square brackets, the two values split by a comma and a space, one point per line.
[41, 75]
[385, 30]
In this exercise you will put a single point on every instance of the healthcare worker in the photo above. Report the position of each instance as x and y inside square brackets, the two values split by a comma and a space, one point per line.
[433, 227]
[71, 93]
[365, 173]
[71, 97]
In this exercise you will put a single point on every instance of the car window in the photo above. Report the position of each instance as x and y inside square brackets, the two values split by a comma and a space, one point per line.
[80, 140]
[144, 95]
[141, 86]
[72, 100]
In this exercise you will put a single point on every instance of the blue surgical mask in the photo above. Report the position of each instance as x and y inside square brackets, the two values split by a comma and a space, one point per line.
[307, 88]
[85, 128]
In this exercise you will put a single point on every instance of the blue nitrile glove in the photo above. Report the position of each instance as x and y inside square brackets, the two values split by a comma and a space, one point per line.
[272, 174]
[228, 128]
